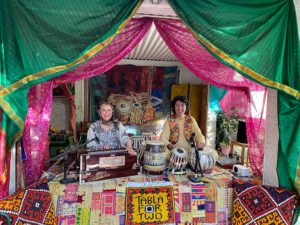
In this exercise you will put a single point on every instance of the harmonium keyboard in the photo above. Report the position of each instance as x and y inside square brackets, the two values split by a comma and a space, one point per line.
[106, 164]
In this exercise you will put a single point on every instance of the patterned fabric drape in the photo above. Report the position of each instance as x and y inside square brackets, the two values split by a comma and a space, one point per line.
[35, 138]
[40, 96]
[198, 60]
[223, 77]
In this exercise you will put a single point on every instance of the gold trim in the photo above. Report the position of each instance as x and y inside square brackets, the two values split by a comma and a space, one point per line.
[247, 70]
[12, 115]
[95, 49]
[3, 176]
[2, 132]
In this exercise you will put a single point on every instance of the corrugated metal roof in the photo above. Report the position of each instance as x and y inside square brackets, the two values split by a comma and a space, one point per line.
[152, 47]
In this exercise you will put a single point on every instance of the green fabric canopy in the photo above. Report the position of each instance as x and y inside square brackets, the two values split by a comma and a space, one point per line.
[259, 39]
[43, 39]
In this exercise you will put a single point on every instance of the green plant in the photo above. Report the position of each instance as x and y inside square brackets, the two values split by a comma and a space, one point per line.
[227, 125]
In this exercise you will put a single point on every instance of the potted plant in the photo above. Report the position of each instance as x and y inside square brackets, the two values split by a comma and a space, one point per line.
[227, 125]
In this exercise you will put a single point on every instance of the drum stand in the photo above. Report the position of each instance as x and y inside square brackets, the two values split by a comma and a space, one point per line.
[177, 171]
[196, 178]
[65, 156]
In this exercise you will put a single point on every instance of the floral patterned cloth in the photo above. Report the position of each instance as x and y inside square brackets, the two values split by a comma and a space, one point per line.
[174, 129]
[114, 138]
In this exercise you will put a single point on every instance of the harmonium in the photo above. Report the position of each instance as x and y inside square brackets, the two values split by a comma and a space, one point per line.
[106, 164]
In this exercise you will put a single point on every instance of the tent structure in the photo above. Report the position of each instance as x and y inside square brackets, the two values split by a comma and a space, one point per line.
[40, 42]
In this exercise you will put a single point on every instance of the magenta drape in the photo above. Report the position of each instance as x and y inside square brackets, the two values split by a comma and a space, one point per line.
[250, 106]
[35, 137]
[237, 99]
[181, 42]
[40, 97]
[198, 60]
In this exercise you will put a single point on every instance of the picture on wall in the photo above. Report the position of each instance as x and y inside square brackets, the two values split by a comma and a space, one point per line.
[139, 93]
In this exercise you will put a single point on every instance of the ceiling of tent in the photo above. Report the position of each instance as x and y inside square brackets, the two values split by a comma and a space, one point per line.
[152, 47]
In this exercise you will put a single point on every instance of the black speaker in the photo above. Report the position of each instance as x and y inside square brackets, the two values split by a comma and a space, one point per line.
[241, 133]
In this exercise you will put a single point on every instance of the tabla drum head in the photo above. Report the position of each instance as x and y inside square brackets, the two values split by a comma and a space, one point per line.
[123, 107]
[180, 152]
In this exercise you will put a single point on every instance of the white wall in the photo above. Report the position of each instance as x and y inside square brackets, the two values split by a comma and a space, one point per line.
[271, 142]
[186, 76]
[79, 100]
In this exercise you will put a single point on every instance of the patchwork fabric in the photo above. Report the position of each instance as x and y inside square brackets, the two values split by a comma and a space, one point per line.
[185, 203]
[108, 202]
[223, 217]
[198, 200]
[260, 204]
[149, 205]
[32, 205]
[210, 211]
[82, 216]
[120, 203]
[96, 201]
[105, 202]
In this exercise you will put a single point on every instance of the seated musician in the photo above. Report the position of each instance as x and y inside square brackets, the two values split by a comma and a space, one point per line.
[107, 133]
[179, 127]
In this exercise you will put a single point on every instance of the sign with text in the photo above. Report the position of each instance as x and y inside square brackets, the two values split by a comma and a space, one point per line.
[150, 205]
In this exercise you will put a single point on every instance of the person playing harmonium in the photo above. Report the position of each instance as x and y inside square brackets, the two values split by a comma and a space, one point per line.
[180, 127]
[108, 133]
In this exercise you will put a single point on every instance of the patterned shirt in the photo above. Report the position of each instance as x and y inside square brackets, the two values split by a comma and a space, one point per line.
[184, 132]
[113, 138]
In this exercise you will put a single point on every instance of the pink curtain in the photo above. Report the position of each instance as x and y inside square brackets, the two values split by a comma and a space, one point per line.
[198, 60]
[37, 123]
[237, 99]
[35, 137]
[250, 106]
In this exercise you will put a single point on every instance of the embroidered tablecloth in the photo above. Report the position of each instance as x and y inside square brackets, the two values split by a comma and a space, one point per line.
[103, 202]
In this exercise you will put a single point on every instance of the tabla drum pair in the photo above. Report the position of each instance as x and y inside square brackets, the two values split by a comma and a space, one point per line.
[178, 161]
[206, 158]
[154, 157]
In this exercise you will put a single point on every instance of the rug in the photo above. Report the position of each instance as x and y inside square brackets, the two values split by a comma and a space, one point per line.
[150, 205]
[261, 204]
[32, 205]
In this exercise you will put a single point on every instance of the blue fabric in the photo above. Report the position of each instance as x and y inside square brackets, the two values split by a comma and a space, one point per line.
[215, 96]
